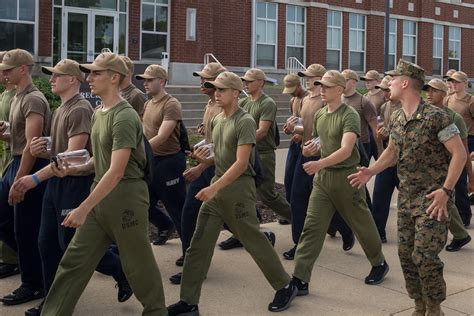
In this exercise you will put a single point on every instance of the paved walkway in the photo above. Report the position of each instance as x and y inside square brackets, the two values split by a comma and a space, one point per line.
[235, 285]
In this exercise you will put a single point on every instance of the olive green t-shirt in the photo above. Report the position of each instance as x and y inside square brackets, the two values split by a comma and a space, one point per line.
[227, 134]
[24, 103]
[458, 121]
[113, 129]
[5, 103]
[330, 127]
[264, 109]
[72, 118]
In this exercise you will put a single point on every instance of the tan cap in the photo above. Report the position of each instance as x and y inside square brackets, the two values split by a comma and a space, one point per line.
[153, 72]
[106, 61]
[291, 82]
[211, 70]
[16, 58]
[371, 75]
[226, 80]
[65, 67]
[449, 73]
[128, 62]
[254, 74]
[332, 78]
[313, 70]
[458, 76]
[1, 55]
[437, 84]
[384, 84]
[350, 74]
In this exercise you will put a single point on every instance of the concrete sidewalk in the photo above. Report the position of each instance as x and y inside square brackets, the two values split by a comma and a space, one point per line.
[235, 286]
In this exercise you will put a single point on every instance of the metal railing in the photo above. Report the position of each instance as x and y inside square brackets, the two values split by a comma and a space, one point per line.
[293, 66]
[209, 57]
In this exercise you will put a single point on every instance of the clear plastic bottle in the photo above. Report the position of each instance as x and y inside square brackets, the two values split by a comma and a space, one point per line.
[6, 132]
[204, 144]
[74, 158]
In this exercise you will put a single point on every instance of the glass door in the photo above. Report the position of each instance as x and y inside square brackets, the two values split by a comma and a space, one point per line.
[87, 32]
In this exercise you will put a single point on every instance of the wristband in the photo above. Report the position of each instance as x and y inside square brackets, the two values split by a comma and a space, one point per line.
[35, 179]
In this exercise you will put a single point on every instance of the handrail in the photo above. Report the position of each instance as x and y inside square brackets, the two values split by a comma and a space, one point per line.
[293, 66]
[209, 57]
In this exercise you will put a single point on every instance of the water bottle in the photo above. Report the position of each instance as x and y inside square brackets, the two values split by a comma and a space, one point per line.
[49, 143]
[204, 144]
[74, 158]
[6, 132]
[317, 142]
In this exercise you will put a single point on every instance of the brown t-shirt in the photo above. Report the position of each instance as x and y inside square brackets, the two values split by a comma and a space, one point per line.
[211, 111]
[135, 97]
[464, 107]
[24, 103]
[163, 107]
[295, 105]
[377, 99]
[70, 119]
[366, 111]
[386, 111]
[310, 106]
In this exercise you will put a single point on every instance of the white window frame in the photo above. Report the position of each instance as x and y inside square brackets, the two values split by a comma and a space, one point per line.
[455, 40]
[358, 31]
[266, 20]
[304, 31]
[330, 28]
[441, 40]
[393, 35]
[151, 2]
[410, 36]
[34, 23]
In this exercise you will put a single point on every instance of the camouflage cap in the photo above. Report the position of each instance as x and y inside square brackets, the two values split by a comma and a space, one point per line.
[350, 74]
[106, 61]
[332, 78]
[65, 67]
[449, 73]
[409, 69]
[384, 84]
[16, 58]
[437, 84]
[371, 75]
[226, 80]
[458, 76]
[254, 74]
[313, 70]
[153, 72]
[211, 70]
[291, 82]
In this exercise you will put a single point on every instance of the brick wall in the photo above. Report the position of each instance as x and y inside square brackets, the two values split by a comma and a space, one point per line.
[375, 43]
[134, 28]
[281, 29]
[45, 26]
[316, 34]
[425, 46]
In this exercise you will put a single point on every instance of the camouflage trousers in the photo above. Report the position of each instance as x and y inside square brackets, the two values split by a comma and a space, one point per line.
[420, 240]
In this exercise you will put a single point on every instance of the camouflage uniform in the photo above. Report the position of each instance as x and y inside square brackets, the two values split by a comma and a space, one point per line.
[422, 168]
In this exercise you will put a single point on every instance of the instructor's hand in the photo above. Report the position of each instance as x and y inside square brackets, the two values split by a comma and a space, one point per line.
[76, 217]
[206, 194]
[438, 208]
[361, 177]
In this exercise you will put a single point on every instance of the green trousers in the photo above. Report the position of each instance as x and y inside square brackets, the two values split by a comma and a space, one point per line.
[7, 254]
[331, 192]
[121, 217]
[456, 226]
[420, 240]
[234, 205]
[266, 190]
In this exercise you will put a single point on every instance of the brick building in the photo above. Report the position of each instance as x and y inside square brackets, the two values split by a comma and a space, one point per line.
[437, 34]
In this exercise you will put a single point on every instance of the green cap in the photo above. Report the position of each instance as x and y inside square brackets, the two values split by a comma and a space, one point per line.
[406, 68]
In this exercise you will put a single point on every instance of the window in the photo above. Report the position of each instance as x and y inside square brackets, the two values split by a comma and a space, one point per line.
[17, 22]
[266, 36]
[454, 49]
[154, 28]
[333, 41]
[392, 43]
[409, 41]
[356, 42]
[438, 32]
[295, 32]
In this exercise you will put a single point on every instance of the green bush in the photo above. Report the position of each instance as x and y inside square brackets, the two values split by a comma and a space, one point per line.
[45, 87]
